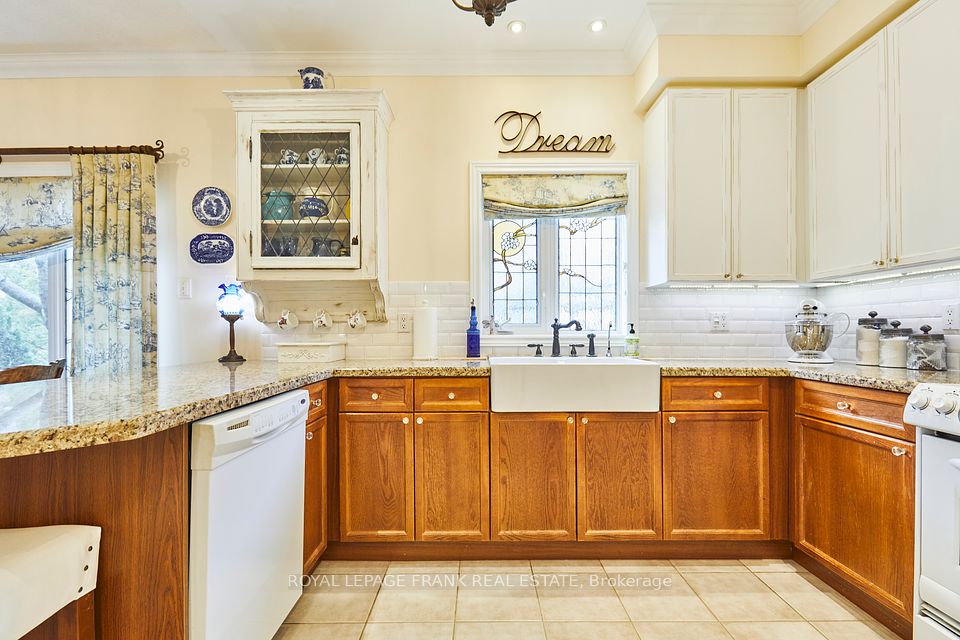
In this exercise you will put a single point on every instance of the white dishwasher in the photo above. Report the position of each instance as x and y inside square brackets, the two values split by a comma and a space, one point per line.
[246, 518]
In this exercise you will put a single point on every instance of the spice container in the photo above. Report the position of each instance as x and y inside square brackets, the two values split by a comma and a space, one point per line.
[868, 339]
[927, 351]
[893, 346]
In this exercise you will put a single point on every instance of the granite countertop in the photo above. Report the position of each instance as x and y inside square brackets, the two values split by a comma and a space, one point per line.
[98, 408]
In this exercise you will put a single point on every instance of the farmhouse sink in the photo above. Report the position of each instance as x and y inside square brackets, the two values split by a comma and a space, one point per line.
[574, 384]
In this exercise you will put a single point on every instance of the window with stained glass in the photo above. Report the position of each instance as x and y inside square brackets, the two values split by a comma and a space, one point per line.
[556, 250]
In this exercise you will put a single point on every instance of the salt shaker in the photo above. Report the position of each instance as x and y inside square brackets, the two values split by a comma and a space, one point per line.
[893, 346]
[868, 339]
[927, 351]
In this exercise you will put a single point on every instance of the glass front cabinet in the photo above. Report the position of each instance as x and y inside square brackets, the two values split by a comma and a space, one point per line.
[311, 191]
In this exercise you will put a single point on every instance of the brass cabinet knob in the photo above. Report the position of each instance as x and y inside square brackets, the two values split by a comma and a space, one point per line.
[726, 276]
[309, 435]
[672, 420]
[569, 419]
[374, 396]
[451, 395]
[584, 421]
[898, 451]
[318, 402]
[406, 421]
[717, 394]
[739, 276]
[843, 406]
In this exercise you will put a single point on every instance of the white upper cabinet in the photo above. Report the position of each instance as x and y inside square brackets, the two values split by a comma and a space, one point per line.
[925, 134]
[847, 127]
[720, 186]
[764, 184]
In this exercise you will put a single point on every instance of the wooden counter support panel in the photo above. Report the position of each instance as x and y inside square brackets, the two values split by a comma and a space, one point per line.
[716, 477]
[318, 400]
[854, 502]
[137, 491]
[376, 394]
[451, 394]
[533, 476]
[619, 475]
[315, 494]
[715, 394]
[376, 477]
[452, 468]
[868, 409]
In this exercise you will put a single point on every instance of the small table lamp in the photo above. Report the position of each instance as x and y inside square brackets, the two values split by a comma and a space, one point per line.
[229, 306]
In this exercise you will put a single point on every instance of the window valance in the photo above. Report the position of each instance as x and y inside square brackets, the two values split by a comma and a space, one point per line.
[554, 196]
[35, 214]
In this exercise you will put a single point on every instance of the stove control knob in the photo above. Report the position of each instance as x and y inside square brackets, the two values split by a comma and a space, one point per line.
[919, 400]
[945, 405]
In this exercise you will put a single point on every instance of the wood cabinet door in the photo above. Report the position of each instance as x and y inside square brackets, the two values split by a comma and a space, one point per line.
[315, 495]
[716, 477]
[376, 477]
[619, 492]
[924, 138]
[847, 130]
[452, 487]
[698, 193]
[764, 182]
[854, 507]
[533, 476]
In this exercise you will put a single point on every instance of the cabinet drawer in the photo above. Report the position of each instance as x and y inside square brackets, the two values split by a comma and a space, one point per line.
[376, 394]
[451, 394]
[715, 394]
[868, 409]
[318, 400]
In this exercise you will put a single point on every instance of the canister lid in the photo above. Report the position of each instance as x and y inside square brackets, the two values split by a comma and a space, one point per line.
[873, 320]
[926, 336]
[896, 331]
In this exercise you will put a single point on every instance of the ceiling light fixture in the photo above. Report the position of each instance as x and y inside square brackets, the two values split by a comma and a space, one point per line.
[598, 25]
[489, 9]
[517, 26]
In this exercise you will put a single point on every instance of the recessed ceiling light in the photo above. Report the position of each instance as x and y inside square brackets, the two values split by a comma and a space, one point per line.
[517, 26]
[598, 25]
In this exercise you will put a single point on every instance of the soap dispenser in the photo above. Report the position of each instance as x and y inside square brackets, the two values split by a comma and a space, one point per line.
[631, 344]
[473, 333]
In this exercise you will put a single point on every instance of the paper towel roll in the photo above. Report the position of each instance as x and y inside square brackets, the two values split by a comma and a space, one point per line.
[425, 333]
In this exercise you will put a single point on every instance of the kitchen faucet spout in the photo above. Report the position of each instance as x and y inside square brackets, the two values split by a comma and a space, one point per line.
[556, 326]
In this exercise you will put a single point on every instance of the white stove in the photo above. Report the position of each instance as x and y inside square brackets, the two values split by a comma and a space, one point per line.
[935, 410]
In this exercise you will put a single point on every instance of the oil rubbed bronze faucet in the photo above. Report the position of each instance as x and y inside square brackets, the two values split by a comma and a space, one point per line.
[556, 326]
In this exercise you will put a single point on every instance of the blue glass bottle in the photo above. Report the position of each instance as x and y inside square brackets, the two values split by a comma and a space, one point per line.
[473, 333]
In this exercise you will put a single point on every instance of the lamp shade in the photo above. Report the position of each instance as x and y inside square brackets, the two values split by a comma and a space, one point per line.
[230, 302]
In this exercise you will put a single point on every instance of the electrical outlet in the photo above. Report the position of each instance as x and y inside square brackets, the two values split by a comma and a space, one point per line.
[185, 288]
[405, 322]
[718, 321]
[951, 316]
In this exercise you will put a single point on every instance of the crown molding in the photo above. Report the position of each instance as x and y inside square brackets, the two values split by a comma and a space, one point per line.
[740, 17]
[338, 63]
[641, 39]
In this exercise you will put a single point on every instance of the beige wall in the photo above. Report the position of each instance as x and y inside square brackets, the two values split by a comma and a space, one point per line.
[441, 125]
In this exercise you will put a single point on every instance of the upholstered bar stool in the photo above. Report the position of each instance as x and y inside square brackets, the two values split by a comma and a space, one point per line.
[44, 570]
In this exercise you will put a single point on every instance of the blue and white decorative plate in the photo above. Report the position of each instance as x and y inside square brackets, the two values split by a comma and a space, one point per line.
[211, 206]
[211, 248]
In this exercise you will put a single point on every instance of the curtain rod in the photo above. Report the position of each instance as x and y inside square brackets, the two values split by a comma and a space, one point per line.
[155, 151]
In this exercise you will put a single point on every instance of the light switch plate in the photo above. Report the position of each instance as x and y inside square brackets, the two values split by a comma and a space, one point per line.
[718, 321]
[185, 288]
[951, 316]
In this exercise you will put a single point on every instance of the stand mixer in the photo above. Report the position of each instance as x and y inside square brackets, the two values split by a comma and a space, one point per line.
[811, 333]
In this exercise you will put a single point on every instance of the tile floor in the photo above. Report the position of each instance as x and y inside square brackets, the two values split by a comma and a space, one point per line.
[574, 599]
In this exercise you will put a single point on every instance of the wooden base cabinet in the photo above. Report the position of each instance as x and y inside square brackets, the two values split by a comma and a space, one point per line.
[452, 471]
[716, 476]
[533, 473]
[315, 495]
[854, 507]
[619, 474]
[376, 477]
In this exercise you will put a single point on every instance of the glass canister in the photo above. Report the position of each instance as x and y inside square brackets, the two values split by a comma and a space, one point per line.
[868, 339]
[927, 351]
[893, 346]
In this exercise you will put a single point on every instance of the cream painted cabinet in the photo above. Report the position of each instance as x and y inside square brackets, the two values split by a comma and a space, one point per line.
[925, 137]
[720, 186]
[848, 164]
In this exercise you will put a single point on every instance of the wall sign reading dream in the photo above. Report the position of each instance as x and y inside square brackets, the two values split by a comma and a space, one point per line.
[521, 133]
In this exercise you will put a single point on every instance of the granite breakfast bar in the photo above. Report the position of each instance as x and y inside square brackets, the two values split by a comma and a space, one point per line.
[114, 451]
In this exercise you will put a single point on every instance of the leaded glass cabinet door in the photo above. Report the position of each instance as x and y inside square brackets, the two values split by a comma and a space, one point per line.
[308, 193]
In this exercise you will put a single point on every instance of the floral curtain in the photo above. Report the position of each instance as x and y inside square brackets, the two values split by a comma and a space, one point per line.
[115, 257]
[35, 214]
[578, 195]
